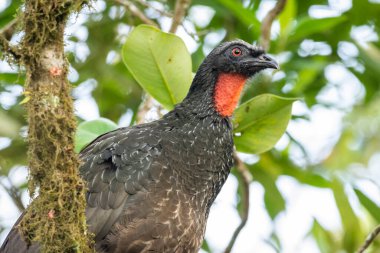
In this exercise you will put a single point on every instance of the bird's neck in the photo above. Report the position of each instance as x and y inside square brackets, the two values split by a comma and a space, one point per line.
[214, 93]
[227, 92]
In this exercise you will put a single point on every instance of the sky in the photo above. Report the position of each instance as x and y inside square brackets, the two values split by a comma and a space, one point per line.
[303, 203]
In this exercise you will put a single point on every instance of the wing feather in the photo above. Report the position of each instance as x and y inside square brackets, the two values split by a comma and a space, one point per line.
[115, 169]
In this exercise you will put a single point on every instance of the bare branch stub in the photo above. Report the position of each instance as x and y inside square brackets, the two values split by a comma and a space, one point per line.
[179, 13]
[246, 180]
[371, 237]
[267, 23]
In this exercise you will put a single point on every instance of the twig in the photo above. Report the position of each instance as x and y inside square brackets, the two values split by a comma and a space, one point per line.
[6, 34]
[195, 35]
[267, 23]
[15, 195]
[147, 104]
[136, 12]
[8, 30]
[179, 12]
[371, 237]
[302, 148]
[146, 4]
[246, 179]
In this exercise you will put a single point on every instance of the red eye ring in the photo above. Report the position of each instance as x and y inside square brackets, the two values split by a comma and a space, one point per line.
[236, 51]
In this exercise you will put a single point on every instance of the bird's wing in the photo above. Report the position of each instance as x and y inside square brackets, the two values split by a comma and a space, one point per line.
[115, 166]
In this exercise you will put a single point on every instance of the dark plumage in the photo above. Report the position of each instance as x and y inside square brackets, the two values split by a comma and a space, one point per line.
[150, 186]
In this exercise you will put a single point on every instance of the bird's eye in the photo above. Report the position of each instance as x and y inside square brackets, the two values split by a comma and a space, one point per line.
[236, 52]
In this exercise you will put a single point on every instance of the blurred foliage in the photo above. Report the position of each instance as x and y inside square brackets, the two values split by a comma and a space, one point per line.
[87, 131]
[312, 41]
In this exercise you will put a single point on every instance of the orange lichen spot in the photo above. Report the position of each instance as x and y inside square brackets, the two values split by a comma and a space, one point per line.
[55, 71]
[51, 214]
[227, 92]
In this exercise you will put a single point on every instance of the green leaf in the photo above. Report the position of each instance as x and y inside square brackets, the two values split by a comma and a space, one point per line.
[9, 127]
[87, 131]
[309, 26]
[15, 154]
[160, 63]
[244, 15]
[287, 16]
[370, 54]
[371, 206]
[205, 246]
[350, 222]
[273, 199]
[260, 122]
[307, 76]
[325, 240]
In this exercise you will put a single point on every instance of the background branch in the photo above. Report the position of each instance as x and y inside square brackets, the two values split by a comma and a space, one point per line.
[179, 12]
[267, 23]
[246, 179]
[371, 237]
[136, 12]
[6, 34]
[148, 5]
[300, 146]
[8, 30]
[14, 193]
[146, 105]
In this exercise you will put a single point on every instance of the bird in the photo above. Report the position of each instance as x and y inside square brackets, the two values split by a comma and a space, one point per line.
[150, 186]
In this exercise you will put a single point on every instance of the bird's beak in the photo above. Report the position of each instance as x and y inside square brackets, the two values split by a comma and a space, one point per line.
[265, 61]
[261, 62]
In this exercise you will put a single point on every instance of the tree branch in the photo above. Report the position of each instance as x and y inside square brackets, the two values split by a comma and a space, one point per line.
[136, 12]
[267, 23]
[371, 237]
[15, 195]
[179, 12]
[146, 4]
[301, 147]
[146, 105]
[6, 34]
[246, 179]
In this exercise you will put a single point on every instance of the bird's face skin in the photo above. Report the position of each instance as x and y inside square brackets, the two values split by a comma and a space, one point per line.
[241, 58]
[235, 62]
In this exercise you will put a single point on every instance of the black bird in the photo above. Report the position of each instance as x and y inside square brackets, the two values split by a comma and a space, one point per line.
[150, 186]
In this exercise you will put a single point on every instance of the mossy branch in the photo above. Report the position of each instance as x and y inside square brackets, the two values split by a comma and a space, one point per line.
[56, 218]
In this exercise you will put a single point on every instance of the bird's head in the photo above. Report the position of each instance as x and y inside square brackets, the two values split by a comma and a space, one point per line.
[239, 57]
[225, 71]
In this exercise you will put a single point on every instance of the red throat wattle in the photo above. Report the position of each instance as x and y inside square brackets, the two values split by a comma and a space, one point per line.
[227, 92]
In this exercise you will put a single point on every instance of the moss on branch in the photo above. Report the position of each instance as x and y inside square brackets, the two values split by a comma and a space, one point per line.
[56, 218]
